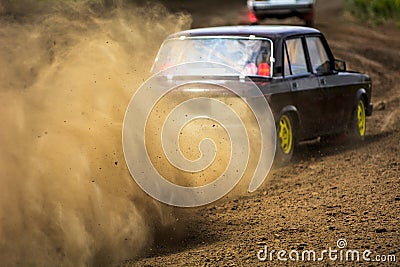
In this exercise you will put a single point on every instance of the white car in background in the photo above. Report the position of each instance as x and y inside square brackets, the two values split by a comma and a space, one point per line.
[262, 9]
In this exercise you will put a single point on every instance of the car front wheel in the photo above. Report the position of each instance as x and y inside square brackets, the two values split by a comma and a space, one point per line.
[359, 122]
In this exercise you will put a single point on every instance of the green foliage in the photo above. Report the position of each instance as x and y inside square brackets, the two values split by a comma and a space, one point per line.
[376, 11]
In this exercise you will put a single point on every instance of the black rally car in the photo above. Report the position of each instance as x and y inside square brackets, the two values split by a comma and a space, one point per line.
[310, 93]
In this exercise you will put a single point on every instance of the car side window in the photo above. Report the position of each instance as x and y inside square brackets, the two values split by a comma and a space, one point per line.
[296, 57]
[318, 56]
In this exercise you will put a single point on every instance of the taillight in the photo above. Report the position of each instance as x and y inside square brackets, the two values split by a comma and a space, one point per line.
[252, 17]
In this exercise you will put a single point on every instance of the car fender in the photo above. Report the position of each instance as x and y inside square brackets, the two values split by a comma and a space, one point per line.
[290, 109]
[361, 93]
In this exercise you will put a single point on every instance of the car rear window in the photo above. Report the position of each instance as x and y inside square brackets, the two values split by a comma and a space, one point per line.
[244, 54]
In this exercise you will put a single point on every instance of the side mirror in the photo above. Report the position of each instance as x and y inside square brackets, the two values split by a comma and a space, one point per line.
[340, 65]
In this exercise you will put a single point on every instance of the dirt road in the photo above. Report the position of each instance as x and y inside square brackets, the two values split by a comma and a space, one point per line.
[330, 192]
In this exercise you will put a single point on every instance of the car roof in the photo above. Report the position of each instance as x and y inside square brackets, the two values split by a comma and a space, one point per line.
[268, 31]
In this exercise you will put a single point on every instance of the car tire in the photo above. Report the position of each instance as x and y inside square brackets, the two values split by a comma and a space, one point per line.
[309, 18]
[358, 124]
[286, 139]
[309, 22]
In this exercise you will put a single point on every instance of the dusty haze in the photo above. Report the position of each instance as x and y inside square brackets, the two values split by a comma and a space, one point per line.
[67, 72]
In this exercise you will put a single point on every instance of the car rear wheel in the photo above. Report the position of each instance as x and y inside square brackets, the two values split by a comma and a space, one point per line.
[359, 122]
[309, 22]
[309, 18]
[285, 139]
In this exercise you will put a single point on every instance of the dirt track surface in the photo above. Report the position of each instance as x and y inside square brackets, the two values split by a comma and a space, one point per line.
[330, 191]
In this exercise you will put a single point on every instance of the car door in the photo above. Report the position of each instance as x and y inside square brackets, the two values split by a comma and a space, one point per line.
[304, 86]
[333, 96]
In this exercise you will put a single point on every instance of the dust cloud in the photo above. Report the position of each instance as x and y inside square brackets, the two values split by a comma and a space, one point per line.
[67, 72]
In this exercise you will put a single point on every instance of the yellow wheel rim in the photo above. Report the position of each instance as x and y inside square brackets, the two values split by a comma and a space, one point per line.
[361, 120]
[285, 134]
